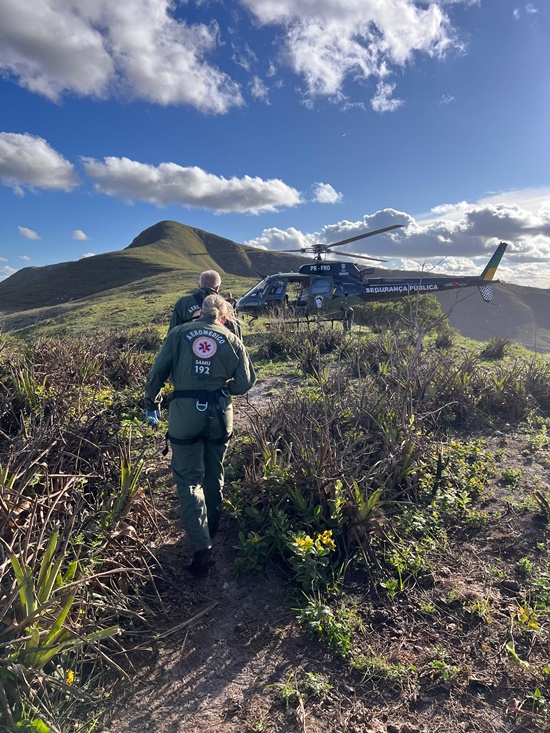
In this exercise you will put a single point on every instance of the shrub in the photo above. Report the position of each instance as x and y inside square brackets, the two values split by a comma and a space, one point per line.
[496, 348]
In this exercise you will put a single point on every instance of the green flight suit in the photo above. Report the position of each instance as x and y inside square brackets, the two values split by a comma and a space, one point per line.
[188, 308]
[204, 356]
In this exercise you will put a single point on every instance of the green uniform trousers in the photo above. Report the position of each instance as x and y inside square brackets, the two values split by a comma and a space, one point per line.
[198, 468]
[198, 472]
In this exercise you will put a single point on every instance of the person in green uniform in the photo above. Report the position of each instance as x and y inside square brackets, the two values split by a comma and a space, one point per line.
[189, 307]
[207, 364]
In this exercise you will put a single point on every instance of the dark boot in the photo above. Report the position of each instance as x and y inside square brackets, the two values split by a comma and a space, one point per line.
[202, 561]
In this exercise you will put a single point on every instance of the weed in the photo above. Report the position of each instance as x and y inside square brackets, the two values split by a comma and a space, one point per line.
[333, 625]
[315, 686]
[446, 672]
[536, 701]
[524, 567]
[527, 616]
[288, 691]
[513, 655]
[428, 608]
[375, 667]
[542, 499]
[480, 609]
[510, 477]
[294, 690]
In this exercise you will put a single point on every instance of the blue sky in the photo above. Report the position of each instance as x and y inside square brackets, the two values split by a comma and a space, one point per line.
[278, 123]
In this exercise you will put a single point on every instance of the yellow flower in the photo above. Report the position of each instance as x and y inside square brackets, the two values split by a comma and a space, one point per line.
[255, 539]
[69, 677]
[304, 543]
[325, 538]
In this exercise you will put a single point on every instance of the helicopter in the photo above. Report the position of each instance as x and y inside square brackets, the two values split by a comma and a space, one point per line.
[324, 287]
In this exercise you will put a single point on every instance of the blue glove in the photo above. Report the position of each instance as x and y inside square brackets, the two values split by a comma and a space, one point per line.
[152, 416]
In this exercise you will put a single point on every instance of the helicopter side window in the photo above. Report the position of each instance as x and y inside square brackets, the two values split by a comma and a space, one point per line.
[321, 286]
[277, 289]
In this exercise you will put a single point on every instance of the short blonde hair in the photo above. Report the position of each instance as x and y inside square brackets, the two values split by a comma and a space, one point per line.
[217, 308]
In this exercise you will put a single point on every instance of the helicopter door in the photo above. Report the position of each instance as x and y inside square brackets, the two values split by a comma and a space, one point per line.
[275, 295]
[320, 293]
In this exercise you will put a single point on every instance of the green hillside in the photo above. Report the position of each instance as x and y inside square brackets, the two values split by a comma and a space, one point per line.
[140, 284]
[132, 286]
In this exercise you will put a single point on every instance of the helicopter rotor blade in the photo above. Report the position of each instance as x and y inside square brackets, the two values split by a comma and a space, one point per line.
[292, 250]
[362, 257]
[363, 236]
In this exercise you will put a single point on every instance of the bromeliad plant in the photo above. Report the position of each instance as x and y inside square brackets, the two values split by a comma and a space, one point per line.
[73, 524]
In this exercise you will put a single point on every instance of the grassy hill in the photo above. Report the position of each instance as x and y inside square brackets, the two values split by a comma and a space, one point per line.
[132, 286]
[139, 284]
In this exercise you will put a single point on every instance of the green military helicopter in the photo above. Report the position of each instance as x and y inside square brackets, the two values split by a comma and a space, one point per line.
[331, 288]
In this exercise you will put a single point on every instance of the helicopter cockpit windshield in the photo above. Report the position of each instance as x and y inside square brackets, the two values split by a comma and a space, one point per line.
[257, 290]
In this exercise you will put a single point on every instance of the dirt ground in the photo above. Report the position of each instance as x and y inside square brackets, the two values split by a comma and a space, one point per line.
[230, 655]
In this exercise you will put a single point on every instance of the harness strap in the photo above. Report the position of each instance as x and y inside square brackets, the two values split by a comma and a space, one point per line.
[199, 394]
[203, 397]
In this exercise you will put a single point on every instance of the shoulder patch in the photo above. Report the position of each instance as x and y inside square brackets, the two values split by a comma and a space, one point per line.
[204, 347]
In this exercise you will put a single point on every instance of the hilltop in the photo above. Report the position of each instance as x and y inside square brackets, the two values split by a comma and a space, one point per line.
[140, 283]
[132, 286]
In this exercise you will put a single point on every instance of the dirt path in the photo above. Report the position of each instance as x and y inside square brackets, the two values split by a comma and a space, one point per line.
[230, 654]
[215, 673]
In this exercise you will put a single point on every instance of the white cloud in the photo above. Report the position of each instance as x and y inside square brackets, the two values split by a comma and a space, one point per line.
[26, 160]
[105, 48]
[329, 40]
[259, 90]
[23, 257]
[446, 99]
[462, 235]
[88, 254]
[79, 234]
[279, 239]
[382, 101]
[324, 193]
[169, 183]
[531, 9]
[6, 272]
[516, 14]
[3, 259]
[28, 233]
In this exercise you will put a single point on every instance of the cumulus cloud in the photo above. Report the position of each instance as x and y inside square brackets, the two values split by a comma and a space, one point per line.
[324, 193]
[282, 239]
[28, 233]
[326, 41]
[3, 259]
[88, 254]
[169, 183]
[23, 257]
[6, 272]
[80, 235]
[102, 48]
[458, 239]
[27, 160]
